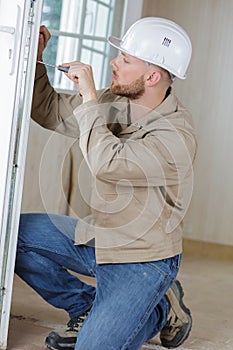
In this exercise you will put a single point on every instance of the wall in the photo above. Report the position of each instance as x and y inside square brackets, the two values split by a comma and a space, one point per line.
[208, 94]
[52, 179]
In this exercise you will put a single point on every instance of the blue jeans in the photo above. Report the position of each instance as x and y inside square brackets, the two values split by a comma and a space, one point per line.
[128, 305]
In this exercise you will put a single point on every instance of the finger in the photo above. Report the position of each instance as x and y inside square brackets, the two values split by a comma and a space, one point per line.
[44, 30]
[73, 76]
[41, 46]
[65, 64]
[46, 34]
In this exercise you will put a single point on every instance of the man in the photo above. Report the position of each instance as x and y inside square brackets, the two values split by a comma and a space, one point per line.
[138, 142]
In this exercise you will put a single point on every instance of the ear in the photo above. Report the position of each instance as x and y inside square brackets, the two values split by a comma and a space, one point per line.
[153, 78]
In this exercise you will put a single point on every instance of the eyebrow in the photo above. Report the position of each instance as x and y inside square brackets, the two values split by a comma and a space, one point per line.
[128, 57]
[124, 54]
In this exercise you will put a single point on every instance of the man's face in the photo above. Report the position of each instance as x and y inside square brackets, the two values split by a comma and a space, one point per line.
[128, 76]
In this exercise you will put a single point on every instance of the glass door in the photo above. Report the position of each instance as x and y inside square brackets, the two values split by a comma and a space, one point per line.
[19, 27]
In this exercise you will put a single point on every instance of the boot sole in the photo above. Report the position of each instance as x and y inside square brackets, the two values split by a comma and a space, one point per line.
[180, 338]
[53, 342]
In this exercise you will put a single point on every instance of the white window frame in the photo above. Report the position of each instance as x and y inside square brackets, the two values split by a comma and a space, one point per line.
[20, 23]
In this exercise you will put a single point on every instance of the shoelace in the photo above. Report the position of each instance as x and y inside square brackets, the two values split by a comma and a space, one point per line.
[76, 323]
[172, 322]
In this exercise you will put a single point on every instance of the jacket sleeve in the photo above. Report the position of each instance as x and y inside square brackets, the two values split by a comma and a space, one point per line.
[53, 110]
[162, 156]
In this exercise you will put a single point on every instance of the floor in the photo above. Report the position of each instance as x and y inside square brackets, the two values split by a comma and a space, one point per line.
[208, 286]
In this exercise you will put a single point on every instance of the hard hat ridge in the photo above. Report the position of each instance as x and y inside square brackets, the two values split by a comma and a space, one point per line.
[159, 41]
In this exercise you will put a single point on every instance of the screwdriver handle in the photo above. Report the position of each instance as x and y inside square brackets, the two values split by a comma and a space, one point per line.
[63, 69]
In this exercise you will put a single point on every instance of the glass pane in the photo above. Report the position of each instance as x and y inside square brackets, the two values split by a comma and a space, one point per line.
[97, 64]
[80, 18]
[90, 17]
[86, 55]
[95, 45]
[51, 19]
[50, 55]
[52, 13]
[99, 45]
[97, 19]
[96, 60]
[108, 2]
[68, 49]
[71, 16]
[95, 49]
[101, 25]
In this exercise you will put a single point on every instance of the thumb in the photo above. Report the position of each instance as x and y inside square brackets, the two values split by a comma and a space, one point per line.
[41, 46]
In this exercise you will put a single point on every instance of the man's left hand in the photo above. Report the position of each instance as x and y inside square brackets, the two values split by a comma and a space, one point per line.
[81, 74]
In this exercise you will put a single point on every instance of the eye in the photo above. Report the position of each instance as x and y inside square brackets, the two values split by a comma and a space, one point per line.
[124, 57]
[125, 60]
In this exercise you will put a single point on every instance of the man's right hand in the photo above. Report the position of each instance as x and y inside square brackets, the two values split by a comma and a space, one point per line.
[44, 37]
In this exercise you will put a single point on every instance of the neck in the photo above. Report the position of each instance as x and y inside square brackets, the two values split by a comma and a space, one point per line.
[143, 105]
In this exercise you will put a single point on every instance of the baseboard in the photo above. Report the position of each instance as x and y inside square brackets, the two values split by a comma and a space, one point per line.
[207, 250]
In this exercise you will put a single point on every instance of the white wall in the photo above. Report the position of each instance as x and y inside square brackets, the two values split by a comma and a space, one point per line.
[209, 95]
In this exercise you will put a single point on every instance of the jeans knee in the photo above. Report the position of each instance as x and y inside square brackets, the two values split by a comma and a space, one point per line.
[23, 228]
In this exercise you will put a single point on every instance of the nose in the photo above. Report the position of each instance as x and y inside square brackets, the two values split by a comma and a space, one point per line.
[113, 63]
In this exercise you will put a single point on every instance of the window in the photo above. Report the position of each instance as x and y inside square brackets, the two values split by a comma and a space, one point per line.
[79, 30]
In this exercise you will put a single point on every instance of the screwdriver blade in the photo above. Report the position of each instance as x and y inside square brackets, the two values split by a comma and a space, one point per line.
[62, 69]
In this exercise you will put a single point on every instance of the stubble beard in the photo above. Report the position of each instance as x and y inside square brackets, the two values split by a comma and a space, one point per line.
[132, 91]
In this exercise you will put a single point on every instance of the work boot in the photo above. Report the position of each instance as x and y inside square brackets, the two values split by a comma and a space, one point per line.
[179, 322]
[66, 340]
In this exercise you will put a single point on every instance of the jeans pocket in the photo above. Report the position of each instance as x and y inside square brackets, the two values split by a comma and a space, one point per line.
[167, 267]
[160, 267]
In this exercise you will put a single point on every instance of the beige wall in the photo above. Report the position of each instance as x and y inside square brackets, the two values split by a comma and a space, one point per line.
[52, 175]
[208, 93]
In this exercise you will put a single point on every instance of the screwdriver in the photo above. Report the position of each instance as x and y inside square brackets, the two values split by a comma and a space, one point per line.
[62, 69]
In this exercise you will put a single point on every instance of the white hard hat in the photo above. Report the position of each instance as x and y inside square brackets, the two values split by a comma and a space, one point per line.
[159, 41]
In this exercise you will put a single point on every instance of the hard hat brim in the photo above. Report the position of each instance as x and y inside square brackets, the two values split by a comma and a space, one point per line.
[116, 42]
